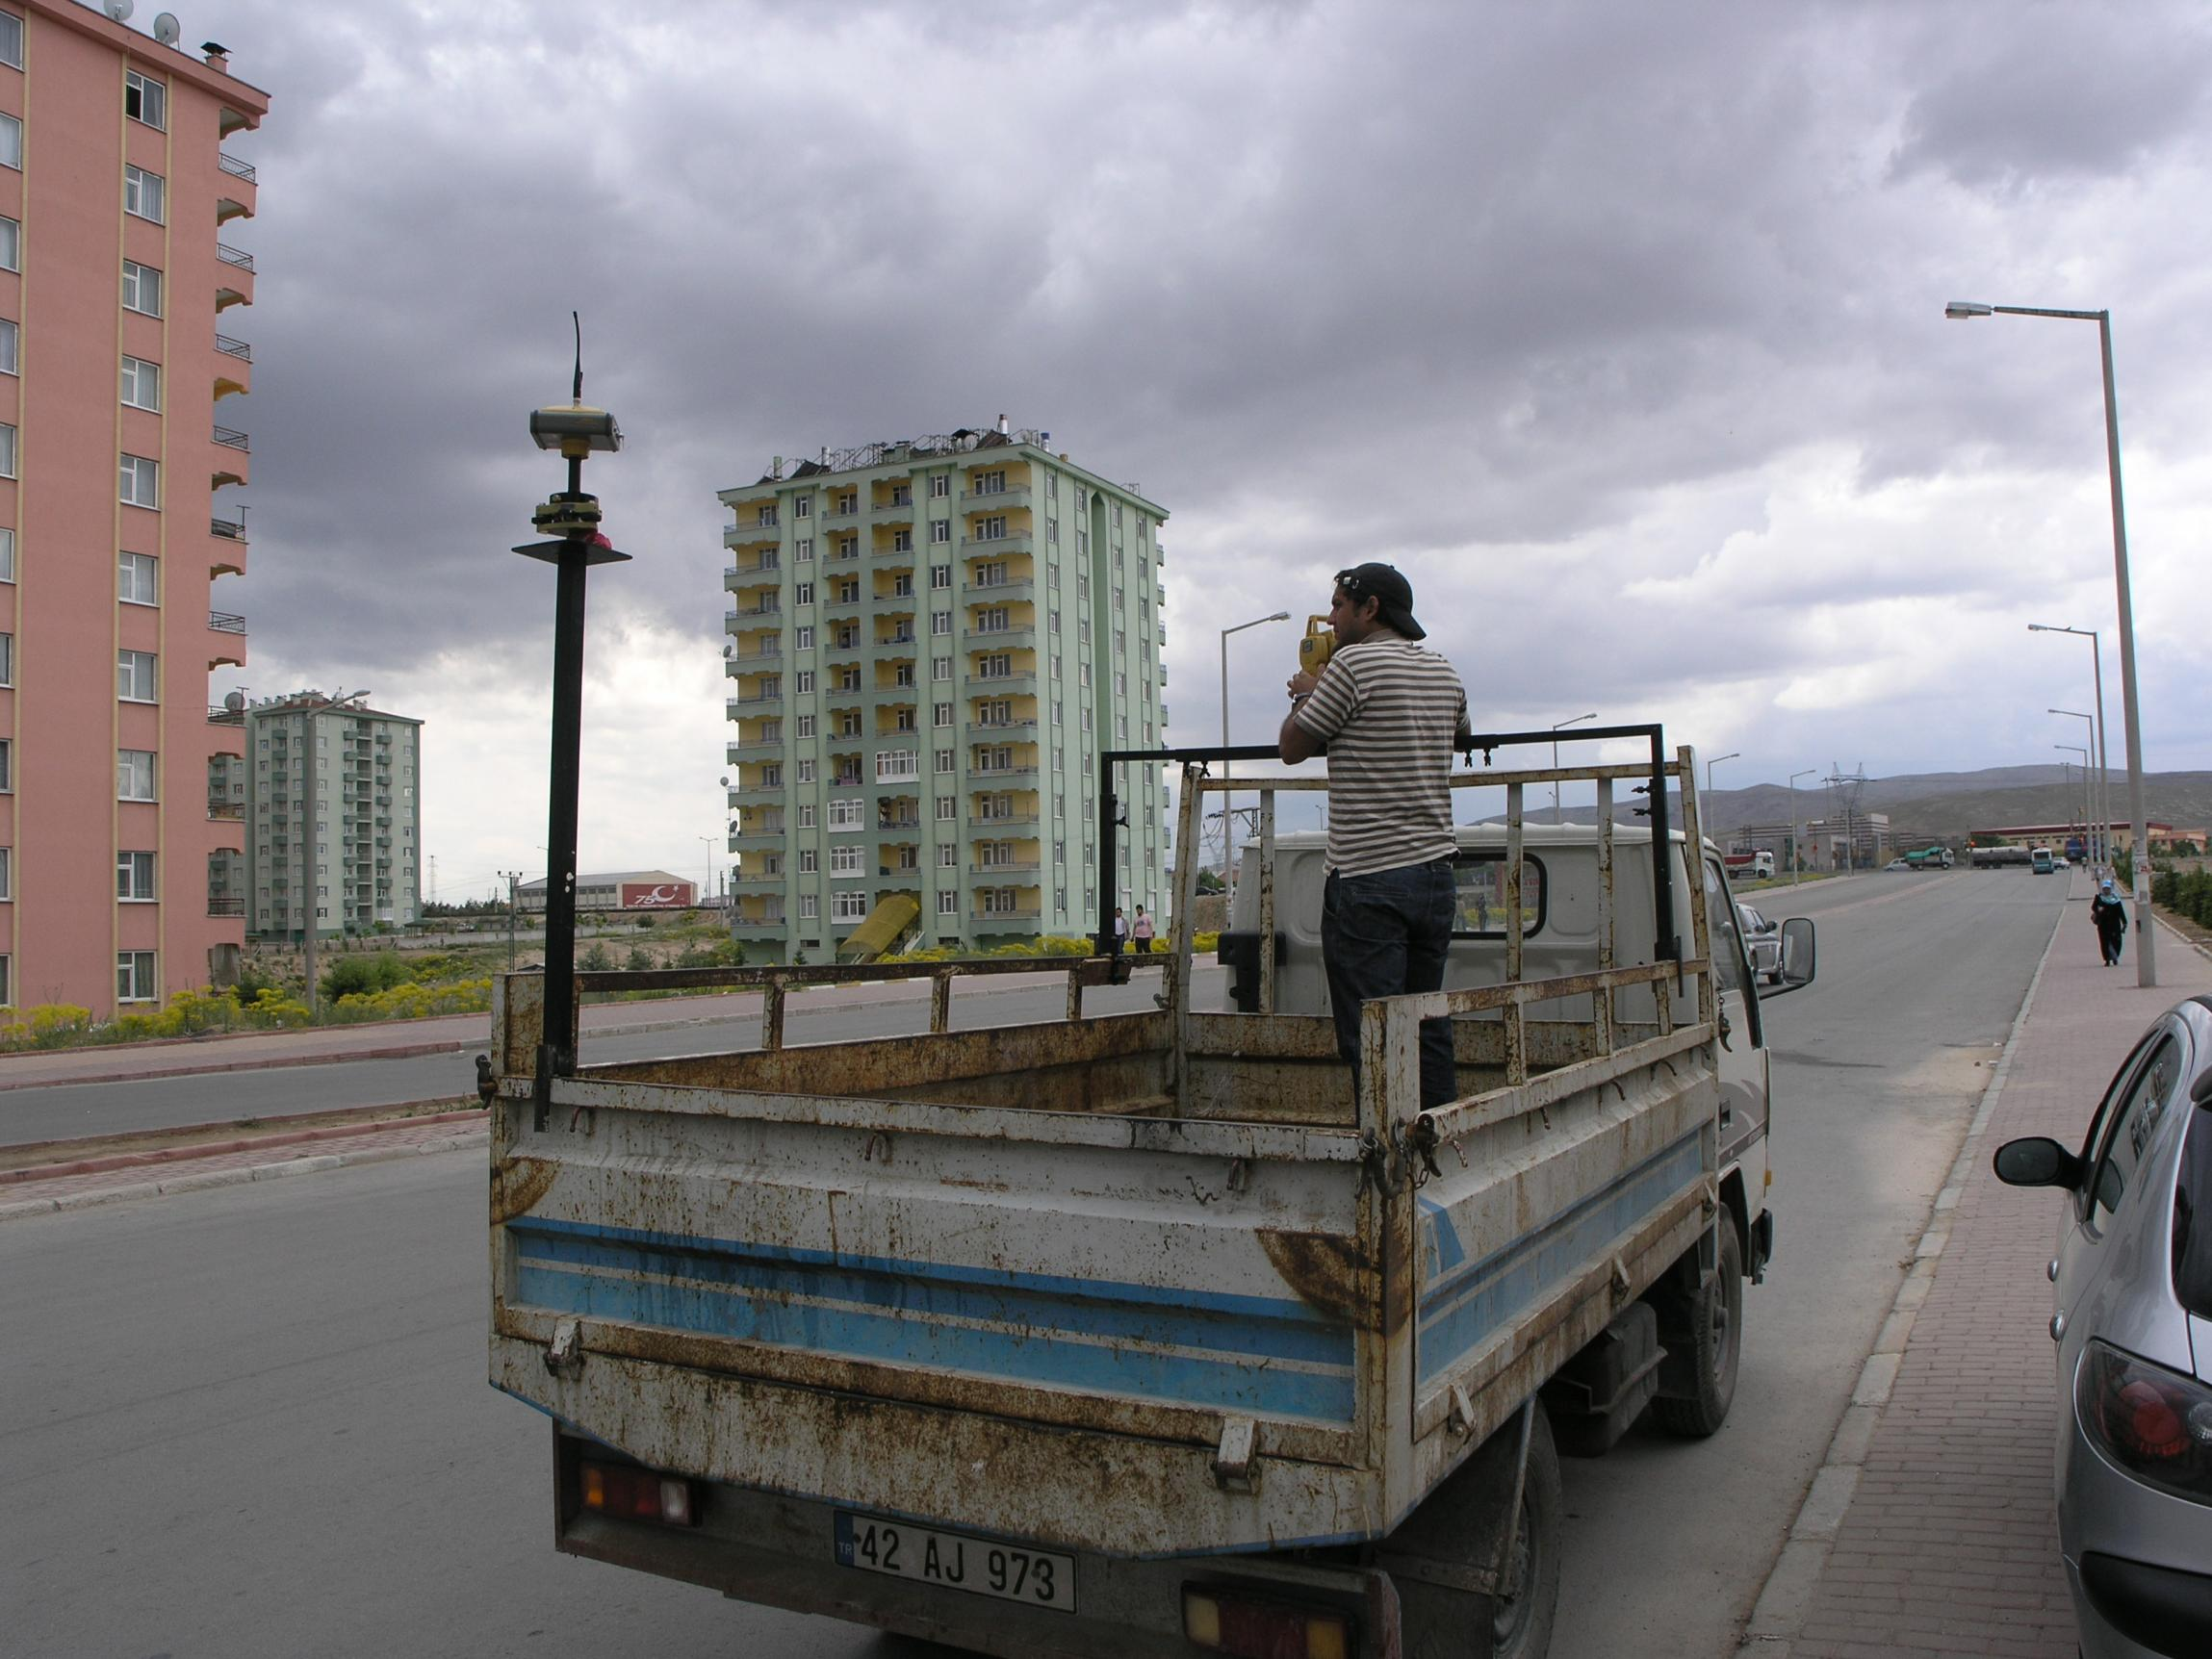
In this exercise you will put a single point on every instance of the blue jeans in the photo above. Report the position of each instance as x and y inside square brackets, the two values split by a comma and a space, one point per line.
[1385, 935]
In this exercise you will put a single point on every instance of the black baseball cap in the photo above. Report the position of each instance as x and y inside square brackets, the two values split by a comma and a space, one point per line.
[1383, 584]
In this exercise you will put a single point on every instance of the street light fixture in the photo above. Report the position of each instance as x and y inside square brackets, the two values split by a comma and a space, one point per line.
[1732, 755]
[2103, 754]
[1563, 725]
[2146, 960]
[1796, 856]
[2077, 749]
[1229, 817]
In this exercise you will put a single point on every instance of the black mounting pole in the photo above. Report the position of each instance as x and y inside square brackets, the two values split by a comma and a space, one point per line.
[565, 781]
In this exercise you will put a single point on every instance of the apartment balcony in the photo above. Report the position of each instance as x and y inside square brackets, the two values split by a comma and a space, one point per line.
[1005, 871]
[759, 926]
[1015, 727]
[752, 749]
[1022, 683]
[751, 535]
[743, 614]
[219, 906]
[753, 838]
[765, 703]
[893, 513]
[1032, 911]
[228, 555]
[974, 637]
[228, 651]
[238, 192]
[1011, 500]
[226, 811]
[232, 449]
[984, 776]
[1015, 590]
[1021, 819]
[1012, 543]
[234, 282]
[756, 882]
[849, 606]
[234, 373]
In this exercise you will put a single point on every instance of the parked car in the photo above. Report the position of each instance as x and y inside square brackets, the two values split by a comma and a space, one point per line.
[1896, 865]
[2133, 1329]
[1762, 942]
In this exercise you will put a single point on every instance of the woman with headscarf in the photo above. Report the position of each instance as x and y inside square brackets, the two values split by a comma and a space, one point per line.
[2110, 915]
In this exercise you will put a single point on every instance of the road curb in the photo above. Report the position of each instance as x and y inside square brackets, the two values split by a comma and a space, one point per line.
[202, 1181]
[1779, 1614]
[401, 1112]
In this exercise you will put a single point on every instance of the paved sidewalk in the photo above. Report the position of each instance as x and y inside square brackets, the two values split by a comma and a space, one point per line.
[1930, 1529]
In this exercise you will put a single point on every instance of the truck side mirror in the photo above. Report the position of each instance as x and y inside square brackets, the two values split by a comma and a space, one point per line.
[1797, 956]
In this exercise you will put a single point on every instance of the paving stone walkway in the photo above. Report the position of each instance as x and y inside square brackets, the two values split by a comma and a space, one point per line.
[1931, 1530]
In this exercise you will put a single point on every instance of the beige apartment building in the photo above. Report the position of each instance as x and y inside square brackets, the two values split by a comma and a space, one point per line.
[931, 642]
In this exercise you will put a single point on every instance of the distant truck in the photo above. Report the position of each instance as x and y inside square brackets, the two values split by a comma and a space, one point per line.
[1750, 866]
[1931, 858]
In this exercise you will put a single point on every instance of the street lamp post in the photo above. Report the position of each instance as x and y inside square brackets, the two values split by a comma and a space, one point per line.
[2077, 749]
[2089, 778]
[1732, 755]
[2145, 959]
[1562, 726]
[1796, 856]
[707, 897]
[310, 843]
[1229, 818]
[2103, 754]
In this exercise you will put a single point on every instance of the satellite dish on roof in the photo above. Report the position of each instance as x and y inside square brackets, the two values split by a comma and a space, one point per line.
[118, 9]
[234, 700]
[167, 28]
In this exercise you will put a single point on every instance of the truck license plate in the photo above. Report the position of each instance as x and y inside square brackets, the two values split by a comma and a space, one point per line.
[980, 1566]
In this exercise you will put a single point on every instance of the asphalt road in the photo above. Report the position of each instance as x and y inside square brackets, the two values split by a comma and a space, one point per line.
[254, 1420]
[69, 1109]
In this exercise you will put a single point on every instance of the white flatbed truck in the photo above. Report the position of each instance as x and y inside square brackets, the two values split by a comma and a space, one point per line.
[1139, 1333]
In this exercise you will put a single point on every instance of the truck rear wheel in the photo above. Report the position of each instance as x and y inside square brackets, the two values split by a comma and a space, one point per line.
[1457, 1538]
[1521, 1624]
[1709, 1324]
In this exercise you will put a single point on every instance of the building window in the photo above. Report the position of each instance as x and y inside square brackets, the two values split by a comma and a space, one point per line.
[997, 667]
[941, 714]
[844, 861]
[810, 861]
[804, 550]
[806, 772]
[992, 528]
[939, 531]
[803, 593]
[801, 506]
[807, 906]
[138, 578]
[134, 876]
[10, 54]
[944, 760]
[902, 541]
[11, 141]
[941, 575]
[142, 286]
[771, 777]
[992, 620]
[805, 814]
[805, 728]
[940, 668]
[137, 679]
[897, 765]
[849, 904]
[949, 856]
[940, 485]
[145, 194]
[7, 660]
[939, 622]
[1052, 531]
[947, 809]
[947, 904]
[146, 99]
[141, 482]
[10, 243]
[142, 384]
[7, 451]
[6, 765]
[903, 585]
[805, 679]
[135, 977]
[845, 814]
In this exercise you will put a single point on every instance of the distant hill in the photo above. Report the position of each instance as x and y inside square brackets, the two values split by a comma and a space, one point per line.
[1947, 805]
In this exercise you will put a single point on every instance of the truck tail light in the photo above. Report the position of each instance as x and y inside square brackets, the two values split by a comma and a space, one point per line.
[2153, 1423]
[1229, 1621]
[635, 1493]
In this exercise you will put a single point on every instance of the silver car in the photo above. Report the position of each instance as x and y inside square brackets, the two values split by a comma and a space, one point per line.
[2133, 1327]
[1763, 941]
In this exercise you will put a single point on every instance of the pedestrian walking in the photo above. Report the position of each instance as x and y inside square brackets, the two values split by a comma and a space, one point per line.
[2110, 914]
[1140, 931]
[1386, 711]
[1120, 931]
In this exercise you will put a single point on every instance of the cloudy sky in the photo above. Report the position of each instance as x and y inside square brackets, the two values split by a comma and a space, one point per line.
[1618, 328]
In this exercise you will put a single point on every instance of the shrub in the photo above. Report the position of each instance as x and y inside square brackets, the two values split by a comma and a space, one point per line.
[361, 975]
[637, 961]
[595, 961]
[1203, 943]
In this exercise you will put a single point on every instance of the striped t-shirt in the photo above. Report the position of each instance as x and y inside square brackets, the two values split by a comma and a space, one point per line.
[1388, 710]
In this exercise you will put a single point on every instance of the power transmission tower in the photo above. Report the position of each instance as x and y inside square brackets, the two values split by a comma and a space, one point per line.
[1844, 790]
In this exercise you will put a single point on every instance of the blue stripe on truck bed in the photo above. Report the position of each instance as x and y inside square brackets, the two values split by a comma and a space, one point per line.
[1265, 1356]
[1463, 1306]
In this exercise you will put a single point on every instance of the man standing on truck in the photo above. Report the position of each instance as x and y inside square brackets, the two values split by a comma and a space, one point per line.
[1386, 712]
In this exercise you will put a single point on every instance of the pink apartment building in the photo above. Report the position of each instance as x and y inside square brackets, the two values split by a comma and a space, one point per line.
[115, 285]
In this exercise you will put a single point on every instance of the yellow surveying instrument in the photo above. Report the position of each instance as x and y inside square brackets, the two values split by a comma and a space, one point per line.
[1318, 646]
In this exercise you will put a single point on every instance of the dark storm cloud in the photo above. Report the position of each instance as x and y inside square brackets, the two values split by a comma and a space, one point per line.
[1541, 301]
